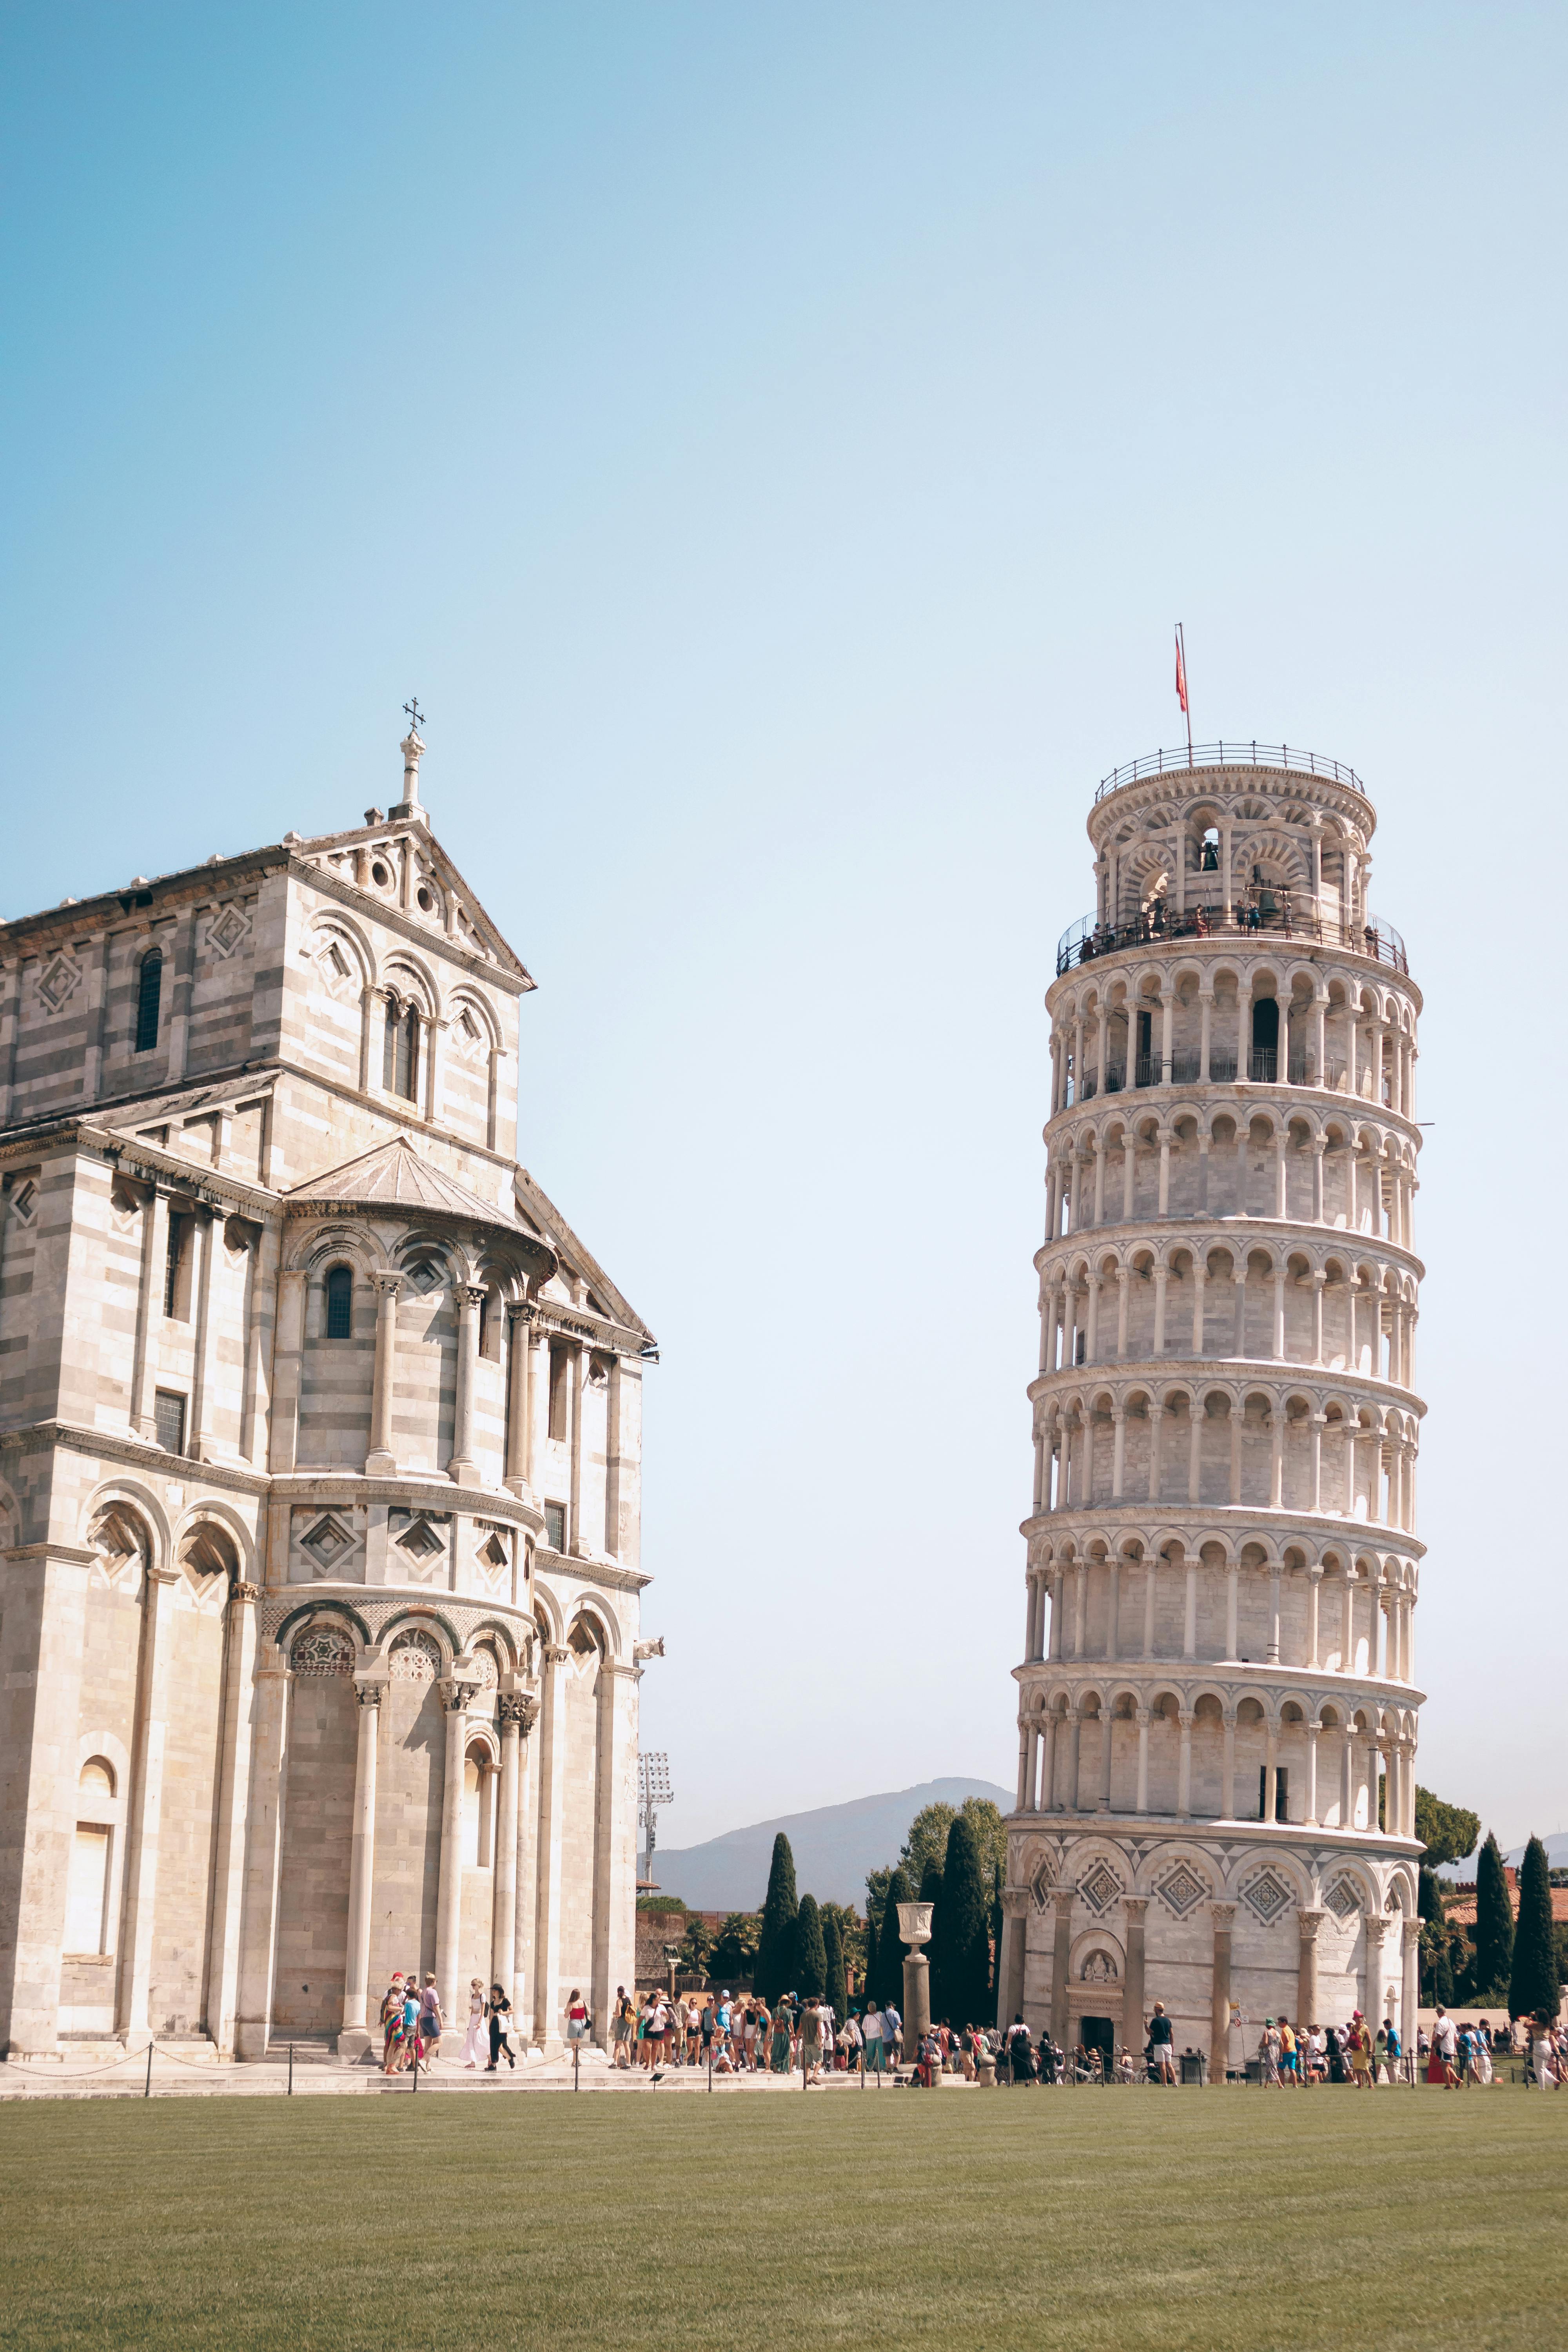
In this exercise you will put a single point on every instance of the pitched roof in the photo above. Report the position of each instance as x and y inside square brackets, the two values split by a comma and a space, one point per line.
[394, 1175]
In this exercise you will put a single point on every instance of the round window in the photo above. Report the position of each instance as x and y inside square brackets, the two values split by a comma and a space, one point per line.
[426, 901]
[378, 875]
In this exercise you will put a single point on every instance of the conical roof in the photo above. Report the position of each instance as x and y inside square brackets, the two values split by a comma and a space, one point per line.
[396, 1176]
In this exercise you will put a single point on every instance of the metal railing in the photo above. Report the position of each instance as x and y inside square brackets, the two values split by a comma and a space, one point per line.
[1272, 914]
[1230, 755]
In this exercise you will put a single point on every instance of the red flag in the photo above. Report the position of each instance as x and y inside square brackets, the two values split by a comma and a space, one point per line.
[1181, 675]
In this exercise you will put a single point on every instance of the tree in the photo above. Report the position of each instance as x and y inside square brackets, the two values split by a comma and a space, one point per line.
[810, 1958]
[833, 1959]
[873, 1964]
[996, 1978]
[775, 1948]
[990, 1833]
[877, 1883]
[889, 1985]
[698, 1945]
[851, 1934]
[1533, 1988]
[1447, 1831]
[927, 1840]
[1437, 1939]
[936, 1950]
[1494, 1926]
[735, 1953]
[966, 1945]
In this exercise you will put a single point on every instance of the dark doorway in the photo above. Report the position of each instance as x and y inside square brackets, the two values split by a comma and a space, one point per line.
[1281, 1788]
[1099, 2033]
[1265, 1038]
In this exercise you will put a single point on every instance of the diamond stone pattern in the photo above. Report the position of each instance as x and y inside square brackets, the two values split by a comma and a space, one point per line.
[1268, 1896]
[57, 984]
[1100, 1887]
[227, 931]
[1343, 1898]
[1182, 1889]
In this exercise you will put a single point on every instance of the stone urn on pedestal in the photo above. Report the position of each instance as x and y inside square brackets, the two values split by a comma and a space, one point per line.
[914, 1928]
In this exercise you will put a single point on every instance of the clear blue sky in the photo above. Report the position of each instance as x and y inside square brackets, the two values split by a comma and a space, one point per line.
[775, 443]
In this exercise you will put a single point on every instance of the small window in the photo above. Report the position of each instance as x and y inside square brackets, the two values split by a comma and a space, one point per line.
[1281, 1792]
[400, 1054]
[555, 1526]
[149, 990]
[177, 1269]
[96, 1778]
[88, 1889]
[169, 1421]
[427, 901]
[340, 1303]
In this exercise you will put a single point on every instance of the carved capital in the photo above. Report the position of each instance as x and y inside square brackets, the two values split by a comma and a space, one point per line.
[455, 1695]
[240, 1591]
[1062, 1900]
[519, 1707]
[1223, 1917]
[472, 1295]
[369, 1694]
[1376, 1927]
[1015, 1903]
[1135, 1906]
[388, 1284]
[1309, 1922]
[554, 1656]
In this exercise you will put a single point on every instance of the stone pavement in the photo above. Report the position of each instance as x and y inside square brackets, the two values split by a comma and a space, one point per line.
[317, 2076]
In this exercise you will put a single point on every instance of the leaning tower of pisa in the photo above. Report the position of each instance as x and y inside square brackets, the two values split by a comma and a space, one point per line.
[1216, 1703]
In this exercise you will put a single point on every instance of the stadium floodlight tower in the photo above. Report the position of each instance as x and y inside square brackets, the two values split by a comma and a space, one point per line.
[1217, 1710]
[654, 1792]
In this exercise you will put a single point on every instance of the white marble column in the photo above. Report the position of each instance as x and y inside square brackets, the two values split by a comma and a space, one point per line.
[234, 1785]
[455, 1697]
[149, 1308]
[381, 1462]
[263, 1854]
[361, 1869]
[201, 1442]
[145, 1811]
[463, 1469]
[548, 2025]
[42, 1638]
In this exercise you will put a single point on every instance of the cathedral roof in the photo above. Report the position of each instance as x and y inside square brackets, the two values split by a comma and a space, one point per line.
[396, 1176]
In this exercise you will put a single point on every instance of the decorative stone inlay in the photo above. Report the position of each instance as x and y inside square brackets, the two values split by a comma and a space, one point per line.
[326, 1542]
[58, 982]
[229, 930]
[416, 1656]
[1268, 1896]
[323, 1650]
[1183, 1890]
[1100, 1887]
[421, 1540]
[486, 1668]
[1099, 1967]
[1040, 1885]
[1343, 1897]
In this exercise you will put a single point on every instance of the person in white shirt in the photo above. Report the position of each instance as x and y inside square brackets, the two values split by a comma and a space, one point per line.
[872, 2029]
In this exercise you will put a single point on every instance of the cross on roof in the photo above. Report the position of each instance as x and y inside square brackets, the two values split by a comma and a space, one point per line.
[413, 714]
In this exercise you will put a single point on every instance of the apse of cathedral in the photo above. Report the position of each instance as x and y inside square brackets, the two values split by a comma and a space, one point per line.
[320, 1470]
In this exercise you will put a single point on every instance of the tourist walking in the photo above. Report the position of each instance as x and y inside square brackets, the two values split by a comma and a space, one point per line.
[432, 2019]
[391, 2027]
[1160, 2044]
[413, 2047]
[871, 2028]
[811, 2041]
[498, 2012]
[475, 2038]
[780, 2056]
[576, 2016]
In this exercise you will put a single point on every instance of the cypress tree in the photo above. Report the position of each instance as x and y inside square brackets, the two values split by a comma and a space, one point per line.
[890, 1943]
[995, 1979]
[1532, 1990]
[775, 1948]
[833, 1956]
[967, 1942]
[867, 1987]
[810, 1959]
[936, 1951]
[1494, 1925]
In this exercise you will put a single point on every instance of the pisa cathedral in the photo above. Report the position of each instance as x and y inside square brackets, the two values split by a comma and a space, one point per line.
[1217, 1703]
[320, 1470]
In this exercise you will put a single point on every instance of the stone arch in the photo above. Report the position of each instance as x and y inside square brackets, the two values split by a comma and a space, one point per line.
[134, 1505]
[313, 1607]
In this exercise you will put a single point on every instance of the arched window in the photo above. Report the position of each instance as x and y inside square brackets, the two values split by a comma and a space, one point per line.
[400, 1052]
[340, 1303]
[148, 990]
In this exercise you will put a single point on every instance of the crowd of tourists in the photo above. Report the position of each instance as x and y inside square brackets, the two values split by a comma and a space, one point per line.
[650, 2032]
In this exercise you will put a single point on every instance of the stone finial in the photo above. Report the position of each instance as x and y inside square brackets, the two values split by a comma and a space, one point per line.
[412, 750]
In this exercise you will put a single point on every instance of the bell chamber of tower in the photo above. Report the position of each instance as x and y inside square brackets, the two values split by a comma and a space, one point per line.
[1217, 1703]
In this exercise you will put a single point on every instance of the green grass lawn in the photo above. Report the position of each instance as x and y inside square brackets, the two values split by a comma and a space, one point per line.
[1119, 2219]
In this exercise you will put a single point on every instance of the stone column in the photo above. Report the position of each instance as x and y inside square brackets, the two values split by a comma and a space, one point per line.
[615, 1840]
[381, 1462]
[547, 2024]
[1268, 1811]
[455, 1697]
[503, 1909]
[519, 1982]
[149, 1308]
[1372, 2004]
[355, 2040]
[1102, 1802]
[234, 1782]
[1223, 1917]
[42, 1636]
[1310, 1804]
[1184, 1766]
[1308, 1922]
[144, 1813]
[253, 2025]
[200, 1440]
[1143, 1796]
[261, 1320]
[1410, 1982]
[463, 1469]
[1132, 2000]
[1014, 1946]
[286, 1369]
[1061, 1947]
[577, 1364]
[519, 1318]
[1228, 1793]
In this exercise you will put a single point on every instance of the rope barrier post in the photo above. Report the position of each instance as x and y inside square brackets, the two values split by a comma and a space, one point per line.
[291, 2070]
[576, 2065]
[416, 2064]
[148, 2092]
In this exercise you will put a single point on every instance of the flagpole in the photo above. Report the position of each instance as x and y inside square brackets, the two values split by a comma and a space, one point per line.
[1187, 698]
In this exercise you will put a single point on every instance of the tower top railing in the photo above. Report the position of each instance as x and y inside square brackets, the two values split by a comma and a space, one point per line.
[1259, 913]
[1229, 754]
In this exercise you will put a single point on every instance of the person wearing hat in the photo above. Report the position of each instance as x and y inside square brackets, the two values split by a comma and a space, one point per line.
[1268, 2054]
[1360, 2051]
[1159, 2044]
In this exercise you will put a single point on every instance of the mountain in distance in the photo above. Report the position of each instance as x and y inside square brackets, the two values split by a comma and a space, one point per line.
[1556, 1858]
[834, 1848]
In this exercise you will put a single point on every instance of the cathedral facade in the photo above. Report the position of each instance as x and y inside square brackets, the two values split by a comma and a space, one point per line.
[1217, 1707]
[320, 1470]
